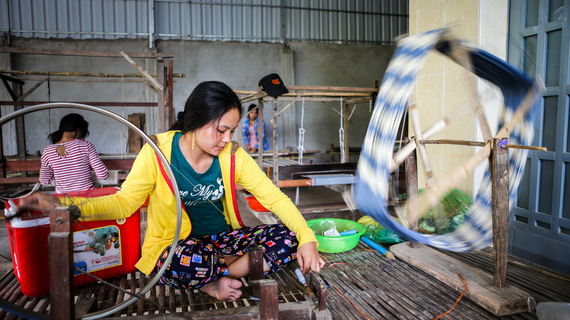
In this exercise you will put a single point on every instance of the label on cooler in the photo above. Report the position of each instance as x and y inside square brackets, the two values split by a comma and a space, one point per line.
[97, 248]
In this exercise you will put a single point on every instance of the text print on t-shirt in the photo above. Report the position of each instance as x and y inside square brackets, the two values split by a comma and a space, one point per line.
[203, 193]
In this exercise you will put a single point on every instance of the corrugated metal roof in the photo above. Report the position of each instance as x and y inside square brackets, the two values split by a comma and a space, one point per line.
[354, 21]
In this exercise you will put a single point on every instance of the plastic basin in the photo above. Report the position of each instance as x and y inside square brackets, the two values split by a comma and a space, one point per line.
[340, 243]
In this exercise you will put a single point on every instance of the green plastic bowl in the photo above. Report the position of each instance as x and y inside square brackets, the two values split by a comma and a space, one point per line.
[336, 244]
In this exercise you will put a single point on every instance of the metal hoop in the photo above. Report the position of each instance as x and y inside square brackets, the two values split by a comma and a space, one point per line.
[102, 313]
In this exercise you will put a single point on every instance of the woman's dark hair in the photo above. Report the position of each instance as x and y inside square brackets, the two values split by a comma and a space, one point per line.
[71, 123]
[209, 101]
[251, 107]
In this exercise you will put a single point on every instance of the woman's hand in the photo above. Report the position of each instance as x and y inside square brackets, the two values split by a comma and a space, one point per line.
[308, 258]
[39, 201]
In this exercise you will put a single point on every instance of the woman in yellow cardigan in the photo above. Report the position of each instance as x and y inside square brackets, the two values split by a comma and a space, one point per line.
[213, 251]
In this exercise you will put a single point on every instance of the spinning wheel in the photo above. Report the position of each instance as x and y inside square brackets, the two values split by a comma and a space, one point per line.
[487, 219]
[377, 160]
[12, 308]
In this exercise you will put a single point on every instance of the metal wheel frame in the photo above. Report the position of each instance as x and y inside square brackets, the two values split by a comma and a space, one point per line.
[102, 313]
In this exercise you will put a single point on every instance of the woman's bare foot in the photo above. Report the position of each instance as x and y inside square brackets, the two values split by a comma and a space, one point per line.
[224, 289]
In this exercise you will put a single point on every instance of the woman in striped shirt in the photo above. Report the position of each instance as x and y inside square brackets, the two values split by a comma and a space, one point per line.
[69, 159]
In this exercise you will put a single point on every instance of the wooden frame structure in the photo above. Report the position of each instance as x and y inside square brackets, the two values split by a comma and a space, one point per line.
[491, 293]
[163, 87]
[345, 95]
[63, 304]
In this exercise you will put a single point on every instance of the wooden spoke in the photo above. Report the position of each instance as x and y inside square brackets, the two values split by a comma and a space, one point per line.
[405, 151]
[415, 119]
[460, 55]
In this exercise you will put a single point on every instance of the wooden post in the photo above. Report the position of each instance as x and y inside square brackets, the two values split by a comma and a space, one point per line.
[135, 142]
[60, 243]
[170, 97]
[375, 94]
[269, 309]
[162, 111]
[275, 144]
[411, 168]
[20, 125]
[260, 133]
[500, 210]
[2, 160]
[345, 152]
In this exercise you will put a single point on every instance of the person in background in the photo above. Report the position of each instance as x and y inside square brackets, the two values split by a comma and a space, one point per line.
[70, 158]
[249, 131]
[213, 251]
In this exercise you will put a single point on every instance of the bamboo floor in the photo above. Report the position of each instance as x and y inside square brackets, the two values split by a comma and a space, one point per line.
[390, 289]
[363, 283]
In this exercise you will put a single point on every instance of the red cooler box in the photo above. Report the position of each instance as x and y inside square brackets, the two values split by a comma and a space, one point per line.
[106, 248]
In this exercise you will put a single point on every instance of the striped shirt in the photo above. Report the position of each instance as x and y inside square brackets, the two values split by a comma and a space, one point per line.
[73, 171]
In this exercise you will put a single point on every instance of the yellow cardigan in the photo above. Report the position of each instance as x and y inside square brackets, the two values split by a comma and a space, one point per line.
[145, 180]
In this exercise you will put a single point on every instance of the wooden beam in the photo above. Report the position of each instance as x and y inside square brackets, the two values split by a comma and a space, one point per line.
[32, 89]
[319, 88]
[331, 88]
[480, 290]
[154, 82]
[77, 79]
[13, 95]
[19, 180]
[252, 97]
[8, 78]
[34, 165]
[454, 142]
[329, 94]
[299, 96]
[289, 97]
[318, 167]
[91, 103]
[310, 96]
[517, 146]
[287, 183]
[83, 53]
[84, 74]
[358, 100]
